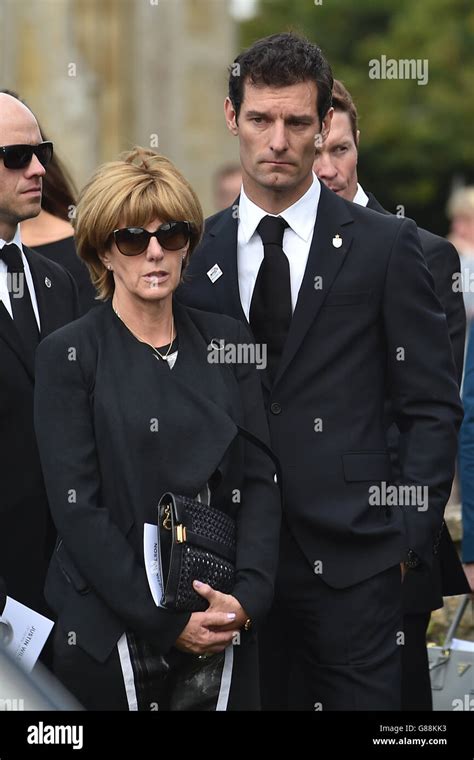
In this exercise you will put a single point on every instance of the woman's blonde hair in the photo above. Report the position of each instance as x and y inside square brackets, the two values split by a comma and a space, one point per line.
[133, 191]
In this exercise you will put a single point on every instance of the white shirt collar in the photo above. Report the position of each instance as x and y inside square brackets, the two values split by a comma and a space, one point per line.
[360, 197]
[16, 240]
[299, 216]
[4, 292]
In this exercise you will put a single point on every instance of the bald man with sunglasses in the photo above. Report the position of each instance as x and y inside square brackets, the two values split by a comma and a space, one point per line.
[37, 296]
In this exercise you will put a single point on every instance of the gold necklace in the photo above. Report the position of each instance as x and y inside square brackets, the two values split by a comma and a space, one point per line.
[170, 345]
[163, 357]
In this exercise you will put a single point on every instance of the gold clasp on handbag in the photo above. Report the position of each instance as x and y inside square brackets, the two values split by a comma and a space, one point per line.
[167, 518]
[167, 524]
[180, 534]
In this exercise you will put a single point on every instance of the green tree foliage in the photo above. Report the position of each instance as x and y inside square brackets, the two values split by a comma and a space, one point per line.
[415, 139]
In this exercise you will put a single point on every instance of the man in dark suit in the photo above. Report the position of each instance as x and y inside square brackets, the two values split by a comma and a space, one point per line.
[342, 299]
[36, 297]
[336, 166]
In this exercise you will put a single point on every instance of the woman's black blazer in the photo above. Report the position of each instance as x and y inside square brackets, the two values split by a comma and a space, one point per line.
[117, 428]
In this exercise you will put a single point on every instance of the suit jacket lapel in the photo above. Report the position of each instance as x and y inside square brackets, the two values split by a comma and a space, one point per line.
[10, 335]
[375, 205]
[324, 262]
[43, 284]
[221, 248]
[8, 330]
[40, 277]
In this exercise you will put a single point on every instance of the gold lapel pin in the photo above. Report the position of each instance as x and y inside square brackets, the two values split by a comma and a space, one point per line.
[337, 241]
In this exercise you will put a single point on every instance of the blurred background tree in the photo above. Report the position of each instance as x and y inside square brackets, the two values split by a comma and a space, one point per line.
[416, 140]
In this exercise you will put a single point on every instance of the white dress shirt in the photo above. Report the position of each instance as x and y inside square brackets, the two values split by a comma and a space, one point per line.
[4, 284]
[360, 197]
[300, 217]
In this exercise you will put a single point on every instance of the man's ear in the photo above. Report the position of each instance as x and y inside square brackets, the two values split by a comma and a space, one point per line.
[326, 125]
[231, 117]
[357, 138]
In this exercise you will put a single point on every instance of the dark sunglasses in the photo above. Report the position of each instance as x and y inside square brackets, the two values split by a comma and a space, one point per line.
[134, 240]
[19, 156]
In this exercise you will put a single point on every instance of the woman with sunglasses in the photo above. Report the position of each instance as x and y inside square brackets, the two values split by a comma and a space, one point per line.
[128, 406]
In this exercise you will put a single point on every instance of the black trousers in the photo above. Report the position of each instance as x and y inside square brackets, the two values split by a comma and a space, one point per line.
[141, 679]
[416, 684]
[331, 649]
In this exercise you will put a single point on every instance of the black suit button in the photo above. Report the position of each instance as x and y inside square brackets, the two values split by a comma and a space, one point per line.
[275, 408]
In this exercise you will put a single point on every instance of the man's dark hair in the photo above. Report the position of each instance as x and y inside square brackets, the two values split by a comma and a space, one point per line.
[342, 101]
[279, 61]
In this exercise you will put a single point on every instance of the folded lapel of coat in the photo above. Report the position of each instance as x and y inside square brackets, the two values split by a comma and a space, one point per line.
[204, 428]
[326, 257]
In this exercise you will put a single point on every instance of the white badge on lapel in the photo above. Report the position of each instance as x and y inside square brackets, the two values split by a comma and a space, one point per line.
[47, 282]
[337, 241]
[214, 273]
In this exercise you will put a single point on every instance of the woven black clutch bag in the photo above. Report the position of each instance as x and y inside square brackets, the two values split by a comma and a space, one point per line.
[196, 542]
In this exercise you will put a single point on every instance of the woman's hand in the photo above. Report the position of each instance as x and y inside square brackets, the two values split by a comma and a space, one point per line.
[219, 602]
[207, 632]
[212, 631]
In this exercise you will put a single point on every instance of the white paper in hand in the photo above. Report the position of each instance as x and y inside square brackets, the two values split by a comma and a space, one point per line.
[28, 632]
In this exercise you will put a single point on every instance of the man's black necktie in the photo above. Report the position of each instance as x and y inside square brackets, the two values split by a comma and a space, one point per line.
[270, 308]
[22, 309]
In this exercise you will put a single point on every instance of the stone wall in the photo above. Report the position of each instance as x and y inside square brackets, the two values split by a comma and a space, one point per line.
[105, 75]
